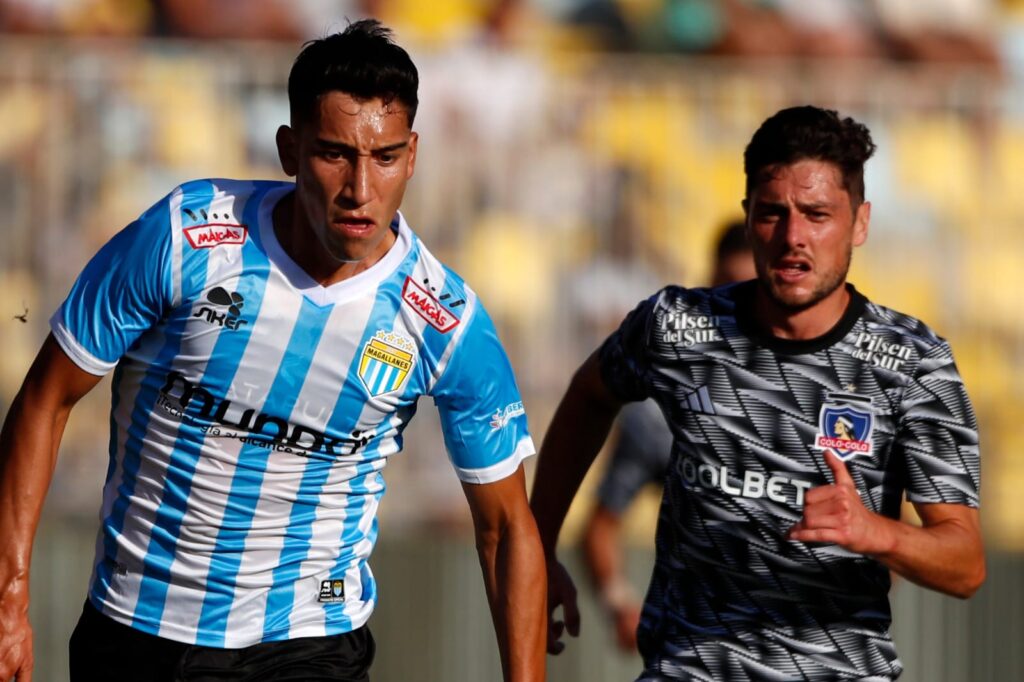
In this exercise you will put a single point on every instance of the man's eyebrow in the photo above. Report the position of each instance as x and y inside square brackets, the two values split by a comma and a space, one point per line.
[342, 147]
[804, 206]
[815, 205]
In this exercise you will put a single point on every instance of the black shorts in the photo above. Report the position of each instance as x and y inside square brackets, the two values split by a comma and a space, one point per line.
[103, 649]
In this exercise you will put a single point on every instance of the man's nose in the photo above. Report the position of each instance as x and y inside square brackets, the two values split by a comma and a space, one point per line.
[792, 230]
[358, 185]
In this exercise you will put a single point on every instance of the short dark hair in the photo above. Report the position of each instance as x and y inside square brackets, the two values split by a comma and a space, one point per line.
[362, 61]
[809, 132]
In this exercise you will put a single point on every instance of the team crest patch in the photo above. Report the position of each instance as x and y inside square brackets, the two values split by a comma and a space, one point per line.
[846, 421]
[214, 234]
[386, 362]
[331, 591]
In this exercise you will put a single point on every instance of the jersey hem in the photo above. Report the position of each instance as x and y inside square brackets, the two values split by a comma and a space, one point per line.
[502, 469]
[175, 633]
[75, 351]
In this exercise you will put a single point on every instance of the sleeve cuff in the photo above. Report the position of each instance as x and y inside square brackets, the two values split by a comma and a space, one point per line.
[74, 350]
[502, 469]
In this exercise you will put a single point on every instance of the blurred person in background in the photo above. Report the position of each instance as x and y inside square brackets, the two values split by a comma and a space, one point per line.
[776, 536]
[269, 342]
[639, 458]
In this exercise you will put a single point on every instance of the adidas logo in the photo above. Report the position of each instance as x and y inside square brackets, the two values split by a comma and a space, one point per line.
[698, 401]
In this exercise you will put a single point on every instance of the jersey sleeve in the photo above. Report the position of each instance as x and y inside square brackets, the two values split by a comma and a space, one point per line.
[123, 291]
[623, 356]
[482, 414]
[640, 456]
[938, 434]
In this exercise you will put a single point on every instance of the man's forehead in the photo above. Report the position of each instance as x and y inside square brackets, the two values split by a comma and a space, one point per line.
[812, 175]
[354, 105]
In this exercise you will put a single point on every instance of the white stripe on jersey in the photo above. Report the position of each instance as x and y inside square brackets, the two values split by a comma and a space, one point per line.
[176, 240]
[207, 503]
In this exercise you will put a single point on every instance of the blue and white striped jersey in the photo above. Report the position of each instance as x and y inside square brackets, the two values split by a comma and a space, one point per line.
[253, 411]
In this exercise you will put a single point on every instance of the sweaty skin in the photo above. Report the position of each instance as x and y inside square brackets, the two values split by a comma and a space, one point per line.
[803, 227]
[351, 165]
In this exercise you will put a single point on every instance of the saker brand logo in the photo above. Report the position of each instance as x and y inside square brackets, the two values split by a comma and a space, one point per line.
[221, 297]
[429, 308]
[210, 235]
[846, 422]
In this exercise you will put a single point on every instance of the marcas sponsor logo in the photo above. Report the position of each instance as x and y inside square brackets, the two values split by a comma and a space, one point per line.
[209, 235]
[222, 298]
[686, 329]
[428, 307]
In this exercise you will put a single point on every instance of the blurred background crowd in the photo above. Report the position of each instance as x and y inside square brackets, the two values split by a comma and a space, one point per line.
[575, 155]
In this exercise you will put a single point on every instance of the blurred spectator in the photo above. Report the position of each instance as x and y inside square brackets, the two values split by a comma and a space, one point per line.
[831, 28]
[640, 457]
[229, 19]
[76, 17]
[945, 31]
[918, 30]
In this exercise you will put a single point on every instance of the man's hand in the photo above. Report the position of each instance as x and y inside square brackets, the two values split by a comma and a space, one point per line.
[835, 513]
[15, 633]
[627, 620]
[561, 592]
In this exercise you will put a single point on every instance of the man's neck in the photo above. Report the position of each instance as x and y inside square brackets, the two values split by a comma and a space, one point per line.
[302, 246]
[801, 325]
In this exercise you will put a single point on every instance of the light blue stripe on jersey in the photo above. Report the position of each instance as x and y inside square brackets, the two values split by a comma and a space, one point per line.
[145, 404]
[182, 463]
[248, 479]
[296, 545]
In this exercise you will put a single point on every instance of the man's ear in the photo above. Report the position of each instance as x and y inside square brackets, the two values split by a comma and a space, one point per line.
[410, 166]
[861, 222]
[288, 151]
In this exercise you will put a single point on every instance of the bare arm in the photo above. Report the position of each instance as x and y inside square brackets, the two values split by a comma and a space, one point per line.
[575, 436]
[944, 554]
[603, 553]
[513, 569]
[28, 454]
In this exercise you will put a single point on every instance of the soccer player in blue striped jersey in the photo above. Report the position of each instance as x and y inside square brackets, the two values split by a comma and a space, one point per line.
[269, 342]
[801, 414]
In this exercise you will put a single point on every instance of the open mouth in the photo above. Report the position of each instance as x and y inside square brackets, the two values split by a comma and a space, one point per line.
[789, 268]
[355, 226]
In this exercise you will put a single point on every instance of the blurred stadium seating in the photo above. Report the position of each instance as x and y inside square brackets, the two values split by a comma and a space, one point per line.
[540, 155]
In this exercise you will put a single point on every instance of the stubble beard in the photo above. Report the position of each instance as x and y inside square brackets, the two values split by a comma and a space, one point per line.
[831, 280]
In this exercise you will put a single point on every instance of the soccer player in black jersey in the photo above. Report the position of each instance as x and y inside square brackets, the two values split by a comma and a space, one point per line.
[801, 414]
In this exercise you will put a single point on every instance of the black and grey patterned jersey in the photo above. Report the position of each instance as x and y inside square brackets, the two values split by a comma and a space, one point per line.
[731, 598]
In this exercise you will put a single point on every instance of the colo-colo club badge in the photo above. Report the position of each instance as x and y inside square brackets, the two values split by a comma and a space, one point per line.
[845, 421]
